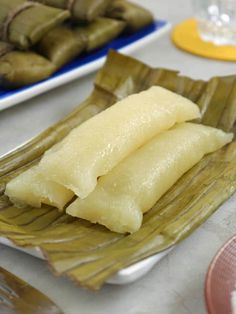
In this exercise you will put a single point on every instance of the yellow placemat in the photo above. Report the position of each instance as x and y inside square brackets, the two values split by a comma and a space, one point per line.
[186, 37]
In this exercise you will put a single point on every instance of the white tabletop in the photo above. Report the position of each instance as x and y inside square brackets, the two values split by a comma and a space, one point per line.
[176, 284]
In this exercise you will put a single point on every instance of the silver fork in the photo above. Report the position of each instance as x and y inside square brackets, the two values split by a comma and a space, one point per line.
[18, 297]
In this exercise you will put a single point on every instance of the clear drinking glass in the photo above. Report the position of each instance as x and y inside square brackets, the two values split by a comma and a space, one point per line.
[216, 20]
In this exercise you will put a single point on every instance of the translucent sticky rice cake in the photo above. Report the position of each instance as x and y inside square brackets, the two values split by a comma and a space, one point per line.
[33, 189]
[134, 185]
[92, 149]
[95, 147]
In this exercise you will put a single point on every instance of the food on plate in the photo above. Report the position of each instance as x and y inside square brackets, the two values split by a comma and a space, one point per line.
[58, 47]
[100, 143]
[61, 45]
[5, 48]
[81, 10]
[33, 189]
[23, 67]
[135, 16]
[24, 23]
[131, 188]
[100, 32]
[96, 146]
[90, 253]
[58, 31]
[89, 10]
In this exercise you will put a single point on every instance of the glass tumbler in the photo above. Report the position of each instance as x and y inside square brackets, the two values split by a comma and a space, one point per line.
[216, 20]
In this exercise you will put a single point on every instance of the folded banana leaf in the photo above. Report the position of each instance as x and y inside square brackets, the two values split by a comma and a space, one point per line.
[89, 254]
[19, 68]
[81, 10]
[5, 48]
[61, 45]
[89, 10]
[24, 23]
[100, 32]
[134, 15]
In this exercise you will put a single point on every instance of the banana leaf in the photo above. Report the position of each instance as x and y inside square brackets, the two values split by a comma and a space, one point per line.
[134, 15]
[19, 68]
[89, 254]
[89, 10]
[100, 32]
[5, 48]
[61, 45]
[82, 11]
[24, 23]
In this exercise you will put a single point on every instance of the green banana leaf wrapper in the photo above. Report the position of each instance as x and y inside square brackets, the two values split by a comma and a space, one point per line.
[5, 48]
[61, 45]
[19, 68]
[135, 16]
[100, 32]
[24, 23]
[89, 254]
[81, 10]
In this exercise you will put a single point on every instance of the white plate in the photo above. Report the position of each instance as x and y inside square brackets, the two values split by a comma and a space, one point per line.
[86, 64]
[124, 276]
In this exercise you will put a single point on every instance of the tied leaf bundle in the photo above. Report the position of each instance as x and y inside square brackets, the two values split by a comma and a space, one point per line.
[81, 11]
[61, 45]
[135, 16]
[5, 48]
[38, 25]
[24, 23]
[100, 32]
[90, 254]
[21, 68]
[58, 47]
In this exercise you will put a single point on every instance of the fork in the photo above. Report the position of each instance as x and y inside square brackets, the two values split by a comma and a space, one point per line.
[18, 297]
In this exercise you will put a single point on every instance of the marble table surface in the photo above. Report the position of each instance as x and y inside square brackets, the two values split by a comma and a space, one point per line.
[176, 284]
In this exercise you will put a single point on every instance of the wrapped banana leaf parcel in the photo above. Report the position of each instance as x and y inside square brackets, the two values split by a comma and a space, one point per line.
[5, 48]
[135, 16]
[58, 47]
[19, 68]
[89, 254]
[61, 45]
[24, 23]
[81, 10]
[100, 32]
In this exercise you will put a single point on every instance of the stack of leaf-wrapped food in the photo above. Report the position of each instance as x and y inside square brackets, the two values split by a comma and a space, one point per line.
[39, 37]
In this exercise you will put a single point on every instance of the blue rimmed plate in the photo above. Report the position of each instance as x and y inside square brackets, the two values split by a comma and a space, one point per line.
[126, 43]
